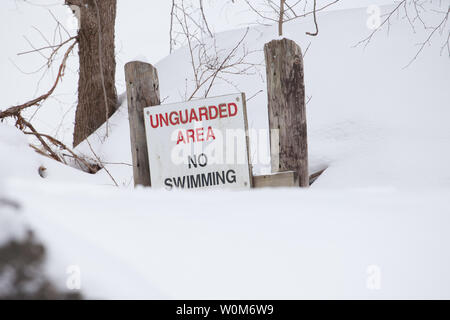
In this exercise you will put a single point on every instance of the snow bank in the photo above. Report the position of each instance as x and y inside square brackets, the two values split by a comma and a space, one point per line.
[12, 225]
[261, 244]
[371, 122]
[17, 158]
[381, 205]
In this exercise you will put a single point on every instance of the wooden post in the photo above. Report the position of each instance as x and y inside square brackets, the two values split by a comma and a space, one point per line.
[286, 106]
[142, 91]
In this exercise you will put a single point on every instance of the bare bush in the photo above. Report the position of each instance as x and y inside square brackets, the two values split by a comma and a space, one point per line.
[209, 63]
[282, 11]
[47, 144]
[418, 14]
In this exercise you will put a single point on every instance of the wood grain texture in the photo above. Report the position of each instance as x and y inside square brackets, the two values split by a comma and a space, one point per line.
[286, 108]
[280, 179]
[142, 91]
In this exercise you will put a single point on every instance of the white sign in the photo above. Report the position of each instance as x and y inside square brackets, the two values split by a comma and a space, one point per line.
[199, 144]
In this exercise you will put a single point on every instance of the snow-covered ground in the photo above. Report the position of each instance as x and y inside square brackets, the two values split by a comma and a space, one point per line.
[376, 224]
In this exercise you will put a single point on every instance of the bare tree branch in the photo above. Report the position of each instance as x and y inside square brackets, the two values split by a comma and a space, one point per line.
[100, 163]
[15, 110]
[315, 22]
[281, 18]
[427, 40]
[204, 18]
[282, 15]
[208, 63]
[171, 27]
[418, 10]
[21, 122]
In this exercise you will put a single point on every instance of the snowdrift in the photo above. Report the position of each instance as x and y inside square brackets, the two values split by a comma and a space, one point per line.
[382, 204]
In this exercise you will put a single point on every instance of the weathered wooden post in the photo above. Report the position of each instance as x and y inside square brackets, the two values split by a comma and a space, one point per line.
[142, 91]
[286, 107]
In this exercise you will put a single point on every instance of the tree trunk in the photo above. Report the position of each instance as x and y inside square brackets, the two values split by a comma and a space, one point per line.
[97, 96]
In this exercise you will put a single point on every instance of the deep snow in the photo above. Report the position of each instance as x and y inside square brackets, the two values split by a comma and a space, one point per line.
[382, 132]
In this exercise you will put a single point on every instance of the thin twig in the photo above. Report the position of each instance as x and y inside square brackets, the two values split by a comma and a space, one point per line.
[254, 95]
[171, 27]
[21, 121]
[386, 20]
[53, 47]
[61, 145]
[204, 18]
[15, 110]
[281, 18]
[427, 40]
[315, 22]
[100, 163]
